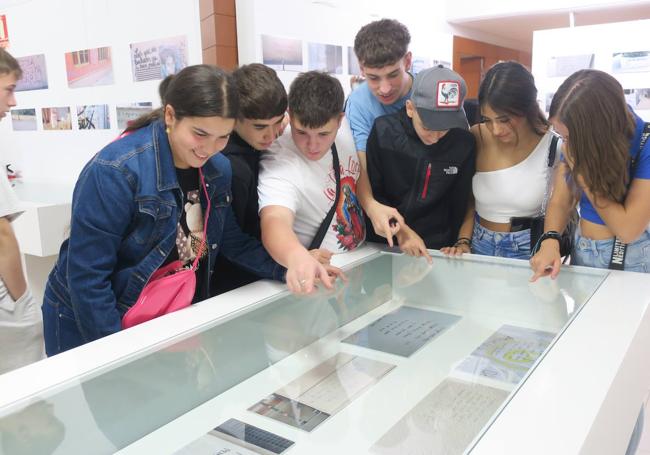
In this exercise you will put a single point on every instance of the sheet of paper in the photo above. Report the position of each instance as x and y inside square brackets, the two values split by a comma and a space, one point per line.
[403, 331]
[507, 355]
[444, 422]
[333, 384]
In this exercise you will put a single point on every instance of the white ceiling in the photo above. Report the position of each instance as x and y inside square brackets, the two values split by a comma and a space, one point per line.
[519, 28]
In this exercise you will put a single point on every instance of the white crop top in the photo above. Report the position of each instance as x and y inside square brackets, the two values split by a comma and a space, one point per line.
[518, 190]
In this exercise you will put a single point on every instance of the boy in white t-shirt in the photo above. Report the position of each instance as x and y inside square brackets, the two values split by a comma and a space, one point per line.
[21, 327]
[297, 183]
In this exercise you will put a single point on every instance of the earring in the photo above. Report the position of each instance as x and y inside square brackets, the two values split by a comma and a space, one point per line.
[168, 130]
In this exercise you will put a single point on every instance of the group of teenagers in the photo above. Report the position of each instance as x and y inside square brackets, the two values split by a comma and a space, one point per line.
[265, 184]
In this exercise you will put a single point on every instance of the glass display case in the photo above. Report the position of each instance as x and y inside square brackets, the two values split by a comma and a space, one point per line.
[405, 357]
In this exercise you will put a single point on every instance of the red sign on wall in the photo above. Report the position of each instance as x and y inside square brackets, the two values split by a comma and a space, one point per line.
[4, 34]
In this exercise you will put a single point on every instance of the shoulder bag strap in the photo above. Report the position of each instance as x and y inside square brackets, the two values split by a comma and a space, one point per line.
[199, 253]
[552, 150]
[617, 261]
[322, 230]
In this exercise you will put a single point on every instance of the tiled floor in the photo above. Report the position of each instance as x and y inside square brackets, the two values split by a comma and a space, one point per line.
[644, 444]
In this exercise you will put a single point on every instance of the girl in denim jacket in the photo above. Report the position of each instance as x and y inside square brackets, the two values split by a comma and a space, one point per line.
[131, 211]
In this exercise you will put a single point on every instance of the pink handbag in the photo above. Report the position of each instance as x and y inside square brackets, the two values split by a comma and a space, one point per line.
[171, 287]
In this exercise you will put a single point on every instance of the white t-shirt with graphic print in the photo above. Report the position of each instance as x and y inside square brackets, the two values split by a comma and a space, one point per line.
[308, 189]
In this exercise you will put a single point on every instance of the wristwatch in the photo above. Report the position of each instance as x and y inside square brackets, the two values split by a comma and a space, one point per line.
[555, 235]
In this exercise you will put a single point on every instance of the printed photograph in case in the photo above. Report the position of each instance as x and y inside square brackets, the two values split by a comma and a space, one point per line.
[325, 57]
[507, 354]
[631, 62]
[24, 120]
[237, 438]
[638, 98]
[56, 118]
[353, 63]
[282, 54]
[93, 117]
[562, 66]
[34, 73]
[289, 411]
[129, 112]
[158, 59]
[89, 67]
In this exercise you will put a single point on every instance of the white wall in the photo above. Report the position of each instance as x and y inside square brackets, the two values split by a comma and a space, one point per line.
[600, 40]
[54, 27]
[337, 24]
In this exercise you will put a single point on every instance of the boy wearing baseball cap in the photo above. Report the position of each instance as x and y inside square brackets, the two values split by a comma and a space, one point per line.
[421, 160]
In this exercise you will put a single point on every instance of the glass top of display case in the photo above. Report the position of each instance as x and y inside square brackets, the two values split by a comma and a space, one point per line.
[403, 355]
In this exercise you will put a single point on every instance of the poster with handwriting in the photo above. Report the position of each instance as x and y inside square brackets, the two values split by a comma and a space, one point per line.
[158, 59]
[403, 331]
[444, 422]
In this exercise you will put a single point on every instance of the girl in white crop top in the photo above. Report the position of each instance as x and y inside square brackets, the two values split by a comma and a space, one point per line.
[512, 165]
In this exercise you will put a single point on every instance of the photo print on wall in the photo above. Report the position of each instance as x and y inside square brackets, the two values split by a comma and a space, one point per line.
[562, 66]
[128, 112]
[34, 73]
[325, 57]
[631, 62]
[157, 59]
[89, 67]
[638, 98]
[56, 118]
[24, 120]
[353, 63]
[282, 54]
[93, 117]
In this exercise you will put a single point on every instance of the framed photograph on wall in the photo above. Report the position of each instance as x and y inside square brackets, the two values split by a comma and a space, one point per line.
[93, 117]
[325, 57]
[562, 66]
[24, 120]
[631, 62]
[159, 58]
[57, 118]
[89, 67]
[353, 63]
[131, 111]
[282, 54]
[34, 73]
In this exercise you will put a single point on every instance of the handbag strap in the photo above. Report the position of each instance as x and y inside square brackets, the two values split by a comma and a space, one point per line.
[552, 151]
[322, 229]
[199, 253]
[617, 260]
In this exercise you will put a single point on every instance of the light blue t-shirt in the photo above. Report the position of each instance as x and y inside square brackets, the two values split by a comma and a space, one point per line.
[361, 110]
[642, 171]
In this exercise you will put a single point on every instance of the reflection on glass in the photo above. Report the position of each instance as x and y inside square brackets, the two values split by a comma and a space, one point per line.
[164, 383]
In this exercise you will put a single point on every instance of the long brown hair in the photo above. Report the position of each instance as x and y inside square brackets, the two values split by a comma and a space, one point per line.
[591, 104]
[509, 88]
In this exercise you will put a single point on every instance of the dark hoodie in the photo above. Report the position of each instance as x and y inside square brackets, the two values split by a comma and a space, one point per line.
[244, 160]
[429, 185]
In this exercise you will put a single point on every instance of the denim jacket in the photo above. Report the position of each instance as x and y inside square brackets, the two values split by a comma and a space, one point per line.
[125, 210]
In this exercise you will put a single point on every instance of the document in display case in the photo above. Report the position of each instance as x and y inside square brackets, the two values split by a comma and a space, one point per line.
[463, 354]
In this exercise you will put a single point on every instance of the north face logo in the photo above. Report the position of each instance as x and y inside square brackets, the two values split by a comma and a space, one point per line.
[451, 170]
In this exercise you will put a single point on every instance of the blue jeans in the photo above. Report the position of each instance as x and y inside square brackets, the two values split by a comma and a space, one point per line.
[597, 253]
[515, 245]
